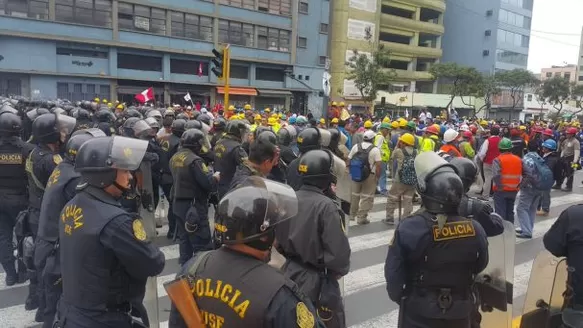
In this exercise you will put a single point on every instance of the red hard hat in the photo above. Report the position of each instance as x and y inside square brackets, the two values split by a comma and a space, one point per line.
[548, 132]
[468, 134]
[571, 131]
[473, 129]
[431, 129]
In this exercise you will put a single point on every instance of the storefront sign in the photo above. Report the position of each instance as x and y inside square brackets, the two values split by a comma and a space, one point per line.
[80, 63]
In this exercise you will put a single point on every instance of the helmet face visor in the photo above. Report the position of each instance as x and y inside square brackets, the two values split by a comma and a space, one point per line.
[127, 153]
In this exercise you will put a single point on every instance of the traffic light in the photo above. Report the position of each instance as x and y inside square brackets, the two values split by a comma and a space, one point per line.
[219, 62]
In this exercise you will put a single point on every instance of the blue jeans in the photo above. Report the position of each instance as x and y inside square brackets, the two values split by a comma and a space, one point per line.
[382, 185]
[504, 204]
[527, 203]
[545, 201]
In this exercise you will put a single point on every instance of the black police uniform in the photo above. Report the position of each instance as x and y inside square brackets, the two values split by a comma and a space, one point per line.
[565, 239]
[249, 294]
[244, 171]
[13, 195]
[228, 155]
[317, 250]
[293, 178]
[480, 211]
[170, 146]
[437, 268]
[216, 137]
[193, 182]
[60, 189]
[105, 261]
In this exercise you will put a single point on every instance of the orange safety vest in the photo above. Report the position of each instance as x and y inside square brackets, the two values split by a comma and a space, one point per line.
[451, 149]
[510, 172]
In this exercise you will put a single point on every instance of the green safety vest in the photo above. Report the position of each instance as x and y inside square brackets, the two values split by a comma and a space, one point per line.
[385, 151]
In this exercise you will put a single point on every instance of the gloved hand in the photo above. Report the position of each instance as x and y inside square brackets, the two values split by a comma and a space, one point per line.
[151, 157]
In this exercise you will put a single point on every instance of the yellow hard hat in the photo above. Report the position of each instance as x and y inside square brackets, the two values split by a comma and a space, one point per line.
[271, 121]
[483, 122]
[368, 124]
[257, 117]
[231, 108]
[408, 139]
[119, 106]
[334, 103]
[522, 127]
[395, 125]
[96, 99]
[402, 123]
[234, 117]
[335, 121]
[104, 101]
[247, 107]
[341, 104]
[386, 120]
[322, 121]
[267, 110]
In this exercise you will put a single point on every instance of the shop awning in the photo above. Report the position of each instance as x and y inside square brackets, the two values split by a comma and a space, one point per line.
[274, 93]
[238, 91]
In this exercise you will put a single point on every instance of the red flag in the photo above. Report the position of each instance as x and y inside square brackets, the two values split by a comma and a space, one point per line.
[145, 96]
[199, 69]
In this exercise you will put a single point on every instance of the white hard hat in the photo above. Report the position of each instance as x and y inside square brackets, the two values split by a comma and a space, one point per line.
[450, 135]
[369, 135]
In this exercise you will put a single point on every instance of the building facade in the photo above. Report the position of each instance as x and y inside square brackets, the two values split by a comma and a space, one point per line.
[113, 49]
[580, 64]
[568, 72]
[410, 29]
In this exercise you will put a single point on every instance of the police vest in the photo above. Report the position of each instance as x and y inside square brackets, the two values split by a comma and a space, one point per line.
[36, 177]
[385, 151]
[184, 181]
[235, 289]
[12, 167]
[225, 159]
[510, 172]
[93, 279]
[54, 200]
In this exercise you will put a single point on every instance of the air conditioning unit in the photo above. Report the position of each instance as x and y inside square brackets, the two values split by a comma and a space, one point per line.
[486, 53]
[489, 13]
[488, 32]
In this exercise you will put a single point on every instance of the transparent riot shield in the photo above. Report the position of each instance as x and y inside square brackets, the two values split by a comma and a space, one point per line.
[544, 297]
[147, 212]
[494, 284]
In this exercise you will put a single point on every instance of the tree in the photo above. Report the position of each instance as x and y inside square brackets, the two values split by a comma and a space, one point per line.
[461, 79]
[368, 71]
[555, 91]
[577, 95]
[485, 87]
[515, 81]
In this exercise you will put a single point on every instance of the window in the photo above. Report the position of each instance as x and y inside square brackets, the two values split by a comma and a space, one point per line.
[10, 86]
[89, 12]
[247, 4]
[307, 78]
[526, 4]
[515, 39]
[322, 61]
[79, 92]
[303, 8]
[529, 97]
[567, 76]
[90, 53]
[141, 18]
[511, 18]
[192, 26]
[182, 66]
[239, 72]
[38, 9]
[557, 74]
[273, 39]
[138, 62]
[277, 7]
[324, 28]
[549, 74]
[236, 33]
[580, 78]
[302, 42]
[511, 57]
[269, 74]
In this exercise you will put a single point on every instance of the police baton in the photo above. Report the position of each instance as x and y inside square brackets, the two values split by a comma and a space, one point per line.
[179, 292]
[401, 312]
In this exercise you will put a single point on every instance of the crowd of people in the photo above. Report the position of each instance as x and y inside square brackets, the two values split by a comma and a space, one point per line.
[75, 189]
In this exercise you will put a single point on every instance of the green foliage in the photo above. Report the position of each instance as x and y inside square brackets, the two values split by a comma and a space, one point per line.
[515, 81]
[368, 71]
[555, 91]
[485, 88]
[462, 80]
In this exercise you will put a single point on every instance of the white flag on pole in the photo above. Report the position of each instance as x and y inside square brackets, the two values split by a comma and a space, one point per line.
[406, 113]
[187, 97]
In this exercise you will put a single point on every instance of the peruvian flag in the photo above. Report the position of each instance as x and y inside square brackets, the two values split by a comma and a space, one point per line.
[145, 96]
[199, 70]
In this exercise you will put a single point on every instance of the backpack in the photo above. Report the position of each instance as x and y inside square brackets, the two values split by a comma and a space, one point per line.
[359, 165]
[407, 174]
[539, 174]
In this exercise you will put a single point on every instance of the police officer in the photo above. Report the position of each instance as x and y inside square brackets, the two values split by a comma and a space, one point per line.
[436, 253]
[471, 207]
[193, 182]
[219, 125]
[315, 243]
[229, 154]
[170, 146]
[49, 132]
[285, 136]
[60, 189]
[104, 120]
[13, 193]
[252, 294]
[308, 139]
[105, 254]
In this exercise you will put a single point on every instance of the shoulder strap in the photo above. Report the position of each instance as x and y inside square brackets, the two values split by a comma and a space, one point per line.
[370, 148]
[36, 181]
[202, 256]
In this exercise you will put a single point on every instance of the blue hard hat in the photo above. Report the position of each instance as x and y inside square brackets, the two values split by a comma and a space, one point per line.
[550, 144]
[292, 120]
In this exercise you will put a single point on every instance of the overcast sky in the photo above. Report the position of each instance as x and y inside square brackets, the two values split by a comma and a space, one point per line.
[562, 17]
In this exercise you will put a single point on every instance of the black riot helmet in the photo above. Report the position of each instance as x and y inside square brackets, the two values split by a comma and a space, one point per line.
[260, 129]
[52, 128]
[316, 167]
[182, 116]
[85, 105]
[82, 114]
[220, 123]
[193, 124]
[193, 139]
[205, 118]
[10, 124]
[34, 113]
[8, 108]
[131, 112]
[178, 127]
[438, 184]
[142, 130]
[286, 135]
[466, 169]
[98, 159]
[77, 139]
[267, 137]
[127, 128]
[308, 139]
[237, 129]
[104, 116]
[334, 138]
[253, 210]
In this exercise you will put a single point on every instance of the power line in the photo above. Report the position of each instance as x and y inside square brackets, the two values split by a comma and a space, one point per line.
[557, 33]
[555, 41]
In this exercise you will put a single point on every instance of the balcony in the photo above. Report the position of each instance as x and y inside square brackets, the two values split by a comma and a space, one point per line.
[438, 5]
[391, 21]
[414, 51]
[403, 75]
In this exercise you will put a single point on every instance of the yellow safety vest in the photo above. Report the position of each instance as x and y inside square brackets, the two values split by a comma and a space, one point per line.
[385, 150]
[253, 127]
[427, 145]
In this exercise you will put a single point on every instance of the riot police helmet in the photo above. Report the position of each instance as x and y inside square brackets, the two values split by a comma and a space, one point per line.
[58, 110]
[153, 123]
[466, 170]
[178, 127]
[194, 114]
[127, 128]
[36, 112]
[249, 213]
[316, 167]
[82, 114]
[154, 113]
[286, 135]
[334, 138]
[104, 116]
[237, 129]
[205, 118]
[85, 105]
[142, 130]
[10, 124]
[193, 139]
[267, 137]
[308, 139]
[193, 124]
[438, 184]
[52, 128]
[98, 159]
[131, 112]
[182, 116]
[260, 129]
[78, 138]
[8, 108]
[220, 123]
